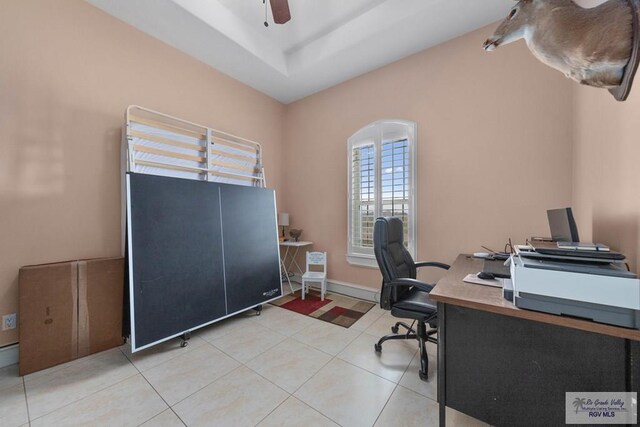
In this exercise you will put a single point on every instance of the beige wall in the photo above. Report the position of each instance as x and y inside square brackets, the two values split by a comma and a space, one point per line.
[67, 73]
[494, 149]
[497, 134]
[606, 180]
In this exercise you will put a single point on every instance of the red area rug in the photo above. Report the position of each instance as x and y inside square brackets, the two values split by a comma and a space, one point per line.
[306, 306]
[337, 309]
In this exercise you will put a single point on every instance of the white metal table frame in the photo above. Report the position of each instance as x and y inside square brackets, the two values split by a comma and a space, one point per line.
[286, 268]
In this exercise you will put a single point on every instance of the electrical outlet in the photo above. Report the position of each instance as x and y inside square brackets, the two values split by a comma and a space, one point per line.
[8, 321]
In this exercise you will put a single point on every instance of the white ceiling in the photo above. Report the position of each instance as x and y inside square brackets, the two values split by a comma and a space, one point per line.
[325, 43]
[314, 19]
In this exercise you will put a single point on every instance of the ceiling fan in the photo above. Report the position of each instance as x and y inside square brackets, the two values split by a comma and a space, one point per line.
[279, 10]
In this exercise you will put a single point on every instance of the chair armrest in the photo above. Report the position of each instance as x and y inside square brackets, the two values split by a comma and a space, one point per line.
[433, 264]
[411, 282]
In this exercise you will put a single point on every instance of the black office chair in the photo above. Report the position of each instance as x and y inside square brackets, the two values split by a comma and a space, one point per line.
[401, 293]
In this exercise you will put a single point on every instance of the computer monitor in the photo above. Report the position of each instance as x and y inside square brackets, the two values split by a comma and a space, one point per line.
[563, 225]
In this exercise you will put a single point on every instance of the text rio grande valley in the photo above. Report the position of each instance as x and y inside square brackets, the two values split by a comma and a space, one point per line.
[603, 408]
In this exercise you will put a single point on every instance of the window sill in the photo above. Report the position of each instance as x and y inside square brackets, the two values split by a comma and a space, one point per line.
[367, 261]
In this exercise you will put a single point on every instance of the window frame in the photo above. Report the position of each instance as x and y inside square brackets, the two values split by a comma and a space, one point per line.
[373, 133]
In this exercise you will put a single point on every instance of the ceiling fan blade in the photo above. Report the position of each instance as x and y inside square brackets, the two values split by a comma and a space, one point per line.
[280, 10]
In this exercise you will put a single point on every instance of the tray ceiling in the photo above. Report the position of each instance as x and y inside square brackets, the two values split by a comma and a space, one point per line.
[325, 43]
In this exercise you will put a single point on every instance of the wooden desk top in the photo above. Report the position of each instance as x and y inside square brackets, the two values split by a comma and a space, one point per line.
[452, 290]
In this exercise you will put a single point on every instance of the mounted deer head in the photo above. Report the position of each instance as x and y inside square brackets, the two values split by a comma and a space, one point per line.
[513, 28]
[596, 47]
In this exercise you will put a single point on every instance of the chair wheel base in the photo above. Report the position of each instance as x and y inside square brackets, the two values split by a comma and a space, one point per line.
[395, 329]
[423, 376]
[378, 348]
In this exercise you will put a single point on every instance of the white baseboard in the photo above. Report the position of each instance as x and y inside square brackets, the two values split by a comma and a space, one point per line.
[8, 355]
[353, 290]
[343, 288]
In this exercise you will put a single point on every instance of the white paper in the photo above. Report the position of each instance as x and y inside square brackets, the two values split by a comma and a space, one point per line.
[473, 278]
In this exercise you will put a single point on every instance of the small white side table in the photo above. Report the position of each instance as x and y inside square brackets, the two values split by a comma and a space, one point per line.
[291, 252]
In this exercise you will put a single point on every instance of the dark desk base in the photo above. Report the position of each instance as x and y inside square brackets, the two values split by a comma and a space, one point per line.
[508, 371]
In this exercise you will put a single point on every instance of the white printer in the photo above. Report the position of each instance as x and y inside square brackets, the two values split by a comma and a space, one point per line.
[603, 292]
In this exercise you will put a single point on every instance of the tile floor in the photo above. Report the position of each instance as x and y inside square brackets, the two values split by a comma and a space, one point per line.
[277, 369]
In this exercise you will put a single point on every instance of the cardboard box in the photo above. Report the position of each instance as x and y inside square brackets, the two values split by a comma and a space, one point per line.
[48, 316]
[69, 310]
[100, 293]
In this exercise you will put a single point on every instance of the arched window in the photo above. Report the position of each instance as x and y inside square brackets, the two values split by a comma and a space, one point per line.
[381, 183]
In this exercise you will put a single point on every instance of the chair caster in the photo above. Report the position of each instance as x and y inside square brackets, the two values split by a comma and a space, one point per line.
[395, 329]
[378, 348]
[423, 376]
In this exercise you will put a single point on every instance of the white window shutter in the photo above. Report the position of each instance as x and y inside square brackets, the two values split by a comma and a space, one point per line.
[381, 183]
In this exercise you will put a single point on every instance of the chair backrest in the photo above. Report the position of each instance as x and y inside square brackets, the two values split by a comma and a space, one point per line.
[394, 260]
[317, 259]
